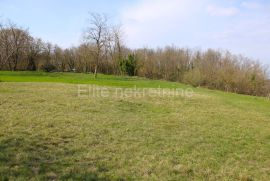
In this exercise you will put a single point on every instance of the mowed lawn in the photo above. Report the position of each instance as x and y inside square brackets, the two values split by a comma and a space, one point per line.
[48, 132]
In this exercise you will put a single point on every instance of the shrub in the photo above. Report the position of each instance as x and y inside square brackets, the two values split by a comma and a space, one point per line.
[49, 67]
[193, 77]
[128, 66]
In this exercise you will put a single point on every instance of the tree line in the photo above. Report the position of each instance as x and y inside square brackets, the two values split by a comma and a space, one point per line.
[103, 51]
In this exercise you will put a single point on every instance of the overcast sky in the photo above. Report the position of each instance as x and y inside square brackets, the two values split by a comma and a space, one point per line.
[241, 26]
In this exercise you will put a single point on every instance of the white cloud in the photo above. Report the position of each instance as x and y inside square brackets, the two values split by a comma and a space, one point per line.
[248, 35]
[251, 5]
[215, 10]
[187, 23]
[149, 19]
[148, 10]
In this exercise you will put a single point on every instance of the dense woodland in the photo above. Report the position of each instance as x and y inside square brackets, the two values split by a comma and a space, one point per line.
[103, 51]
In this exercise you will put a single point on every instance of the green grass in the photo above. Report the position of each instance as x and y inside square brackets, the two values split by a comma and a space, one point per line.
[47, 132]
[82, 78]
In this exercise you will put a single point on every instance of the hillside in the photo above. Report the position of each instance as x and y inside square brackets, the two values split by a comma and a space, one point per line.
[49, 132]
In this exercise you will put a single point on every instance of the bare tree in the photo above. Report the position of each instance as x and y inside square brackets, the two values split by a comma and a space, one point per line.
[70, 58]
[19, 40]
[116, 46]
[58, 58]
[35, 47]
[48, 48]
[6, 46]
[97, 34]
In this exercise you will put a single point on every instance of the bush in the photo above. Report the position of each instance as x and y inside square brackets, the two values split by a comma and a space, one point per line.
[193, 77]
[49, 67]
[128, 66]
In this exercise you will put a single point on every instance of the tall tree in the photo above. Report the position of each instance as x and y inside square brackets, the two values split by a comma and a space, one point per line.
[19, 39]
[97, 34]
[6, 46]
[35, 47]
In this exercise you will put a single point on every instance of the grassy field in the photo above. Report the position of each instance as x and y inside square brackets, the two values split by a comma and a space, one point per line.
[48, 132]
[80, 78]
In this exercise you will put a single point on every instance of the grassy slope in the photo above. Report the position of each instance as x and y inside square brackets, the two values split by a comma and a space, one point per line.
[47, 132]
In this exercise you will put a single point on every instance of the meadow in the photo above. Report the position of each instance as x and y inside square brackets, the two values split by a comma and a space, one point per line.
[48, 132]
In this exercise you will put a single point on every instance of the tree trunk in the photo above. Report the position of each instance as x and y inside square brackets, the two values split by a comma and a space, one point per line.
[95, 72]
[31, 64]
